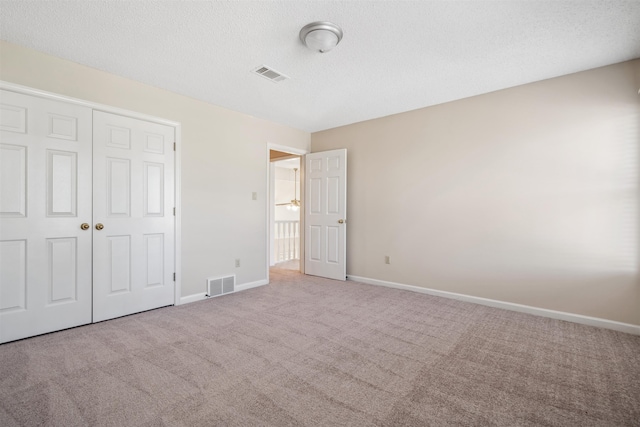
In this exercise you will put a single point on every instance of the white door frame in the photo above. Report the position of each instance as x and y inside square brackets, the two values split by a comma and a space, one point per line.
[178, 159]
[270, 201]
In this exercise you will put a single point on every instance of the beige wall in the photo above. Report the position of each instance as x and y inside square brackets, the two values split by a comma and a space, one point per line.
[526, 195]
[220, 222]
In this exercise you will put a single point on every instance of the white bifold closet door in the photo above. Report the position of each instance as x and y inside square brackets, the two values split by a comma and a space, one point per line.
[133, 193]
[86, 215]
[45, 197]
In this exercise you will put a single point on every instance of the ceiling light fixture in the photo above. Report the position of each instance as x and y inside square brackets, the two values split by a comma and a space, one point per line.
[321, 36]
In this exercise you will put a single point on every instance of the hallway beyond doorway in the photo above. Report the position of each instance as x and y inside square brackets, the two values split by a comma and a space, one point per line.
[293, 264]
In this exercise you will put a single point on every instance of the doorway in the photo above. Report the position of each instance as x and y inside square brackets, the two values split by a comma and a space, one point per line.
[322, 222]
[285, 222]
[285, 251]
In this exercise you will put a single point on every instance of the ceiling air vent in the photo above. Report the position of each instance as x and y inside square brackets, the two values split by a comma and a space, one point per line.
[270, 74]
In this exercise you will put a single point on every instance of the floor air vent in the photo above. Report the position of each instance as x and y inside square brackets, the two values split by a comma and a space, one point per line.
[221, 285]
[270, 74]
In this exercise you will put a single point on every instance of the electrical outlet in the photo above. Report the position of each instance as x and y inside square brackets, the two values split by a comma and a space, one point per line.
[254, 196]
[237, 263]
[387, 260]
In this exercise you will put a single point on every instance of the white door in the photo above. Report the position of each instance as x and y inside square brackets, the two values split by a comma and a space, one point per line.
[326, 214]
[45, 197]
[133, 211]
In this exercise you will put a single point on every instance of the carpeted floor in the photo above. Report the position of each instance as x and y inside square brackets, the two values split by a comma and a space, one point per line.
[293, 264]
[309, 351]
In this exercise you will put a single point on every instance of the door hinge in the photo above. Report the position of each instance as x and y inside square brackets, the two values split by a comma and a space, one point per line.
[174, 277]
[174, 146]
[174, 211]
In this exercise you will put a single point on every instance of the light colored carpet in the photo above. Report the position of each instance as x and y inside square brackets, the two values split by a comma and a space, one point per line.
[309, 351]
[292, 264]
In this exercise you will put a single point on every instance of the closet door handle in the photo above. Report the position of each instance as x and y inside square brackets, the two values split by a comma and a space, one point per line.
[99, 226]
[85, 226]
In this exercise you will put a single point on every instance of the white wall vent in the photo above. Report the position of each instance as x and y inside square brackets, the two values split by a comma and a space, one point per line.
[217, 286]
[270, 74]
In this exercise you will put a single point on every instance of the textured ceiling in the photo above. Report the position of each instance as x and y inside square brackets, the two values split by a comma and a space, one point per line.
[395, 55]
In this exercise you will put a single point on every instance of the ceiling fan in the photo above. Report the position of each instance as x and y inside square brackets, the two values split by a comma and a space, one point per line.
[295, 203]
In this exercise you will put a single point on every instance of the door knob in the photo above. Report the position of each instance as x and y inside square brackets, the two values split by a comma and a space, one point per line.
[85, 226]
[99, 226]
[341, 221]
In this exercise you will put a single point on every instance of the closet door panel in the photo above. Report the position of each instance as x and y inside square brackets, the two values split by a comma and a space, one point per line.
[45, 196]
[133, 201]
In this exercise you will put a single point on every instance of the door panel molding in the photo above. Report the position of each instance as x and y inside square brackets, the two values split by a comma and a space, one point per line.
[13, 194]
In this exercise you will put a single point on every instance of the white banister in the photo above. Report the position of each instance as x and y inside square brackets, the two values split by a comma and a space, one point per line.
[287, 240]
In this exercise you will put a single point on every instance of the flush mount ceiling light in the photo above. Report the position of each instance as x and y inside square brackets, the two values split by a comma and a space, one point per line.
[321, 36]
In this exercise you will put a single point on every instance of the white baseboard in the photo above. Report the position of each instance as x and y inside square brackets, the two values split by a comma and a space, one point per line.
[203, 295]
[250, 285]
[560, 315]
[193, 298]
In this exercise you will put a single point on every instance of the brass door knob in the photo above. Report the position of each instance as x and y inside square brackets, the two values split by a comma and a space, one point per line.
[85, 226]
[341, 221]
[99, 226]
